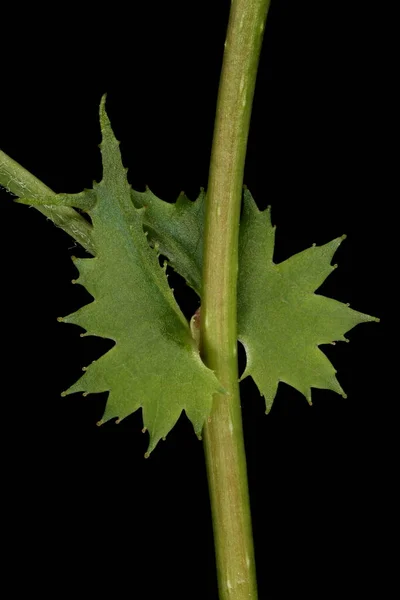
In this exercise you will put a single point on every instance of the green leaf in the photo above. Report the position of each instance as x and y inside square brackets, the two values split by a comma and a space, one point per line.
[154, 363]
[281, 321]
[177, 231]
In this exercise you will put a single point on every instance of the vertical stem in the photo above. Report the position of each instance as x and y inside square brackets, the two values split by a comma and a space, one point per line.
[223, 433]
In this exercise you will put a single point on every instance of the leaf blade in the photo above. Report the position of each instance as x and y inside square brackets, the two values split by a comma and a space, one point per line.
[177, 231]
[154, 363]
[281, 321]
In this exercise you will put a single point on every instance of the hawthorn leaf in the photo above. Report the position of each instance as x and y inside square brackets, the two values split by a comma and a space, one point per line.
[155, 363]
[281, 321]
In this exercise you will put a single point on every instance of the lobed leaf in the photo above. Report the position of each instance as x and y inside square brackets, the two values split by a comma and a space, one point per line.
[154, 363]
[281, 321]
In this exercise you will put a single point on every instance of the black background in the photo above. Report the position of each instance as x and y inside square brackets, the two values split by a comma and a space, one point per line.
[86, 510]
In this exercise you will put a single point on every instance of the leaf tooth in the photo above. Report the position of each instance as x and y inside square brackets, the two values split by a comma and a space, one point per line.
[73, 319]
[182, 202]
[308, 396]
[268, 404]
[86, 267]
[157, 430]
[87, 317]
[309, 268]
[268, 392]
[334, 385]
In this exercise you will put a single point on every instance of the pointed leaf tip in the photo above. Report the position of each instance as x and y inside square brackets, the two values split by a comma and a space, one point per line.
[105, 124]
[103, 105]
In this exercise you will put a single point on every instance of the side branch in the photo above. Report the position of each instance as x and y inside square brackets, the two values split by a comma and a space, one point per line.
[23, 184]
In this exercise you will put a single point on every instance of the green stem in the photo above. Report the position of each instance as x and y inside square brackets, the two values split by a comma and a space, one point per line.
[223, 433]
[23, 184]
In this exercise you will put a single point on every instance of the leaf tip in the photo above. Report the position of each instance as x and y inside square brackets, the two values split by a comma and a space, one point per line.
[268, 404]
[103, 104]
[105, 124]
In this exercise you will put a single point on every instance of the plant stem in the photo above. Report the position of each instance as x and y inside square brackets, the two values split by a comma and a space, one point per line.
[223, 433]
[23, 184]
